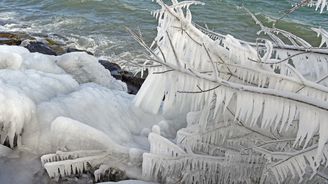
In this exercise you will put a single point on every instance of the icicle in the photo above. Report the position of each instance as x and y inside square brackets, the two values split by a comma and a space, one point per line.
[323, 136]
[162, 146]
[17, 110]
[306, 129]
[69, 166]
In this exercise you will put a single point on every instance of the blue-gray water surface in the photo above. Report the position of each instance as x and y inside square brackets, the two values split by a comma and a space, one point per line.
[99, 25]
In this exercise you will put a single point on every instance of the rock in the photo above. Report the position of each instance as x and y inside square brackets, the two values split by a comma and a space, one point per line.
[133, 82]
[7, 41]
[114, 174]
[110, 66]
[114, 68]
[36, 46]
[46, 46]
[144, 75]
[13, 38]
[55, 46]
[78, 50]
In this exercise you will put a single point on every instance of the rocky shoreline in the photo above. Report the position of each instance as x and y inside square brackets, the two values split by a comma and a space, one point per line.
[45, 45]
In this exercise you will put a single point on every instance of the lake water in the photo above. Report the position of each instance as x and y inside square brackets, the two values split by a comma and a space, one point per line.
[99, 25]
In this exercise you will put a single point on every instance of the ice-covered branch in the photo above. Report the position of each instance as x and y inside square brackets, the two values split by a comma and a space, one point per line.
[232, 103]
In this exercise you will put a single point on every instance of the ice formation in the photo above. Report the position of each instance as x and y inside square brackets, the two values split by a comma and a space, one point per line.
[256, 112]
[69, 103]
[28, 87]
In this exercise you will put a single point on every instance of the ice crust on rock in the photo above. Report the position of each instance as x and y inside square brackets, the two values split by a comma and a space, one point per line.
[91, 138]
[85, 68]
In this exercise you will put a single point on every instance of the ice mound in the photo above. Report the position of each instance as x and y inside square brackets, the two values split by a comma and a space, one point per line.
[67, 102]
[107, 111]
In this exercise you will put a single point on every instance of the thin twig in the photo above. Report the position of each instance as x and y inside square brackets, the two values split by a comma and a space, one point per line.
[161, 51]
[175, 54]
[183, 30]
[296, 154]
[166, 71]
[321, 175]
[322, 79]
[270, 142]
[211, 60]
[201, 91]
[283, 60]
[199, 88]
[243, 125]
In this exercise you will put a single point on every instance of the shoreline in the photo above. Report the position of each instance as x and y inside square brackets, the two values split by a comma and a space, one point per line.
[46, 45]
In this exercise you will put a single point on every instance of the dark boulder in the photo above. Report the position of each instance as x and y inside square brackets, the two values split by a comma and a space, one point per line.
[133, 82]
[114, 68]
[40, 47]
[110, 66]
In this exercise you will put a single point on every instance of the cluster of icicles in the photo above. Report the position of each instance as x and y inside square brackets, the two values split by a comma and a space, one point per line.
[236, 96]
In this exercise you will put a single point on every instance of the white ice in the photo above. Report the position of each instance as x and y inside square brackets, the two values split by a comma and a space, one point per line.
[68, 103]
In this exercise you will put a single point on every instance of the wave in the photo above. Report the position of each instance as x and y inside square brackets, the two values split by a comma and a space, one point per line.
[99, 26]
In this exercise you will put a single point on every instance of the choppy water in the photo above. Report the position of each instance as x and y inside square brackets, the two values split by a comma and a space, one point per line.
[99, 25]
